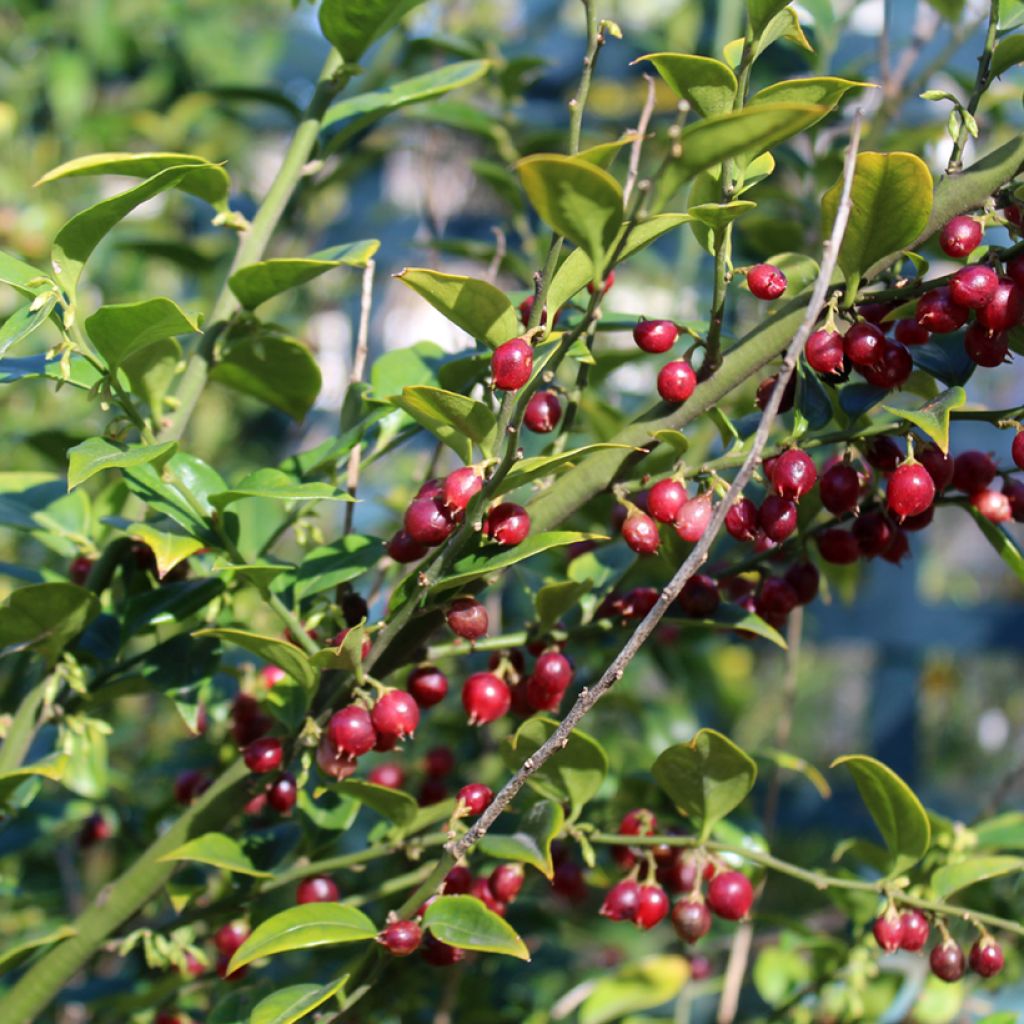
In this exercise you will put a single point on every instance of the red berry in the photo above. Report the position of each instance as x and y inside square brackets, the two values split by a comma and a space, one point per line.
[883, 453]
[1014, 491]
[974, 286]
[621, 902]
[396, 714]
[332, 762]
[699, 597]
[507, 524]
[741, 520]
[317, 889]
[505, 882]
[939, 465]
[1005, 309]
[526, 308]
[655, 336]
[351, 731]
[460, 485]
[282, 793]
[910, 332]
[652, 906]
[805, 580]
[1015, 268]
[467, 617]
[568, 881]
[840, 488]
[401, 938]
[389, 774]
[167, 1017]
[95, 829]
[874, 533]
[78, 570]
[947, 961]
[863, 344]
[915, 930]
[766, 281]
[440, 954]
[458, 881]
[986, 958]
[339, 639]
[433, 488]
[676, 381]
[691, 919]
[693, 517]
[838, 546]
[263, 755]
[485, 697]
[793, 474]
[993, 505]
[939, 313]
[777, 517]
[606, 285]
[640, 532]
[910, 490]
[824, 352]
[893, 368]
[767, 386]
[482, 891]
[428, 521]
[476, 796]
[730, 895]
[1017, 449]
[543, 411]
[960, 236]
[427, 685]
[403, 549]
[664, 499]
[638, 602]
[986, 348]
[638, 822]
[973, 471]
[888, 931]
[875, 312]
[188, 785]
[776, 598]
[229, 937]
[554, 670]
[512, 364]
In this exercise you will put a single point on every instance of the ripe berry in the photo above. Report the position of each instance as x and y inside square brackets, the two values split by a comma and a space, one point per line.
[986, 958]
[993, 505]
[543, 411]
[676, 381]
[428, 521]
[840, 488]
[776, 598]
[938, 312]
[915, 930]
[167, 1017]
[863, 344]
[507, 524]
[482, 891]
[893, 368]
[910, 490]
[824, 352]
[188, 785]
[973, 287]
[282, 793]
[638, 602]
[947, 961]
[621, 901]
[526, 308]
[433, 488]
[553, 669]
[512, 364]
[401, 938]
[766, 281]
[395, 714]
[664, 499]
[986, 348]
[460, 485]
[485, 697]
[730, 895]
[476, 796]
[339, 639]
[263, 755]
[777, 517]
[427, 685]
[317, 889]
[389, 774]
[805, 580]
[467, 617]
[229, 937]
[403, 549]
[439, 762]
[793, 474]
[699, 597]
[332, 762]
[767, 386]
[1005, 309]
[609, 280]
[939, 465]
[910, 332]
[883, 453]
[960, 237]
[1015, 268]
[1014, 491]
[973, 471]
[888, 931]
[78, 570]
[95, 829]
[640, 532]
[838, 546]
[351, 731]
[655, 336]
[652, 906]
[874, 533]
[534, 695]
[440, 954]
[505, 882]
[693, 517]
[1017, 449]
[741, 520]
[691, 919]
[458, 881]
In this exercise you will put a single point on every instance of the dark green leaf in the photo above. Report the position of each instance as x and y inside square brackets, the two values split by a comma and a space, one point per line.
[351, 25]
[325, 568]
[219, 851]
[732, 618]
[857, 399]
[933, 417]
[554, 600]
[640, 985]
[290, 1004]
[117, 331]
[537, 467]
[531, 842]
[708, 85]
[45, 616]
[456, 420]
[97, 454]
[464, 922]
[279, 652]
[171, 602]
[392, 804]
[951, 878]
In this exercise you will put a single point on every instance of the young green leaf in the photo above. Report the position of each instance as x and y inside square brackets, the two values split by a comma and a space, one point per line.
[708, 85]
[279, 652]
[219, 851]
[169, 549]
[24, 322]
[951, 878]
[531, 842]
[826, 92]
[464, 922]
[119, 330]
[761, 12]
[53, 767]
[456, 420]
[292, 1003]
[22, 948]
[97, 454]
[151, 370]
[22, 276]
[256, 283]
[279, 486]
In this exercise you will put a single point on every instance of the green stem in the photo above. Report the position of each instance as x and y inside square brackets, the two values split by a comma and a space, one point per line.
[22, 728]
[595, 40]
[981, 84]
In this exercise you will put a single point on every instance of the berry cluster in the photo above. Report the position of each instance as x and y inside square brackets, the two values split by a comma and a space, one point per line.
[909, 931]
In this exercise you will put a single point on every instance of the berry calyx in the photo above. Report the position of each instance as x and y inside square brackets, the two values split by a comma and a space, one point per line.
[395, 714]
[507, 524]
[664, 499]
[840, 488]
[655, 336]
[485, 697]
[621, 902]
[263, 755]
[505, 881]
[691, 919]
[512, 364]
[428, 685]
[730, 895]
[766, 281]
[459, 487]
[824, 352]
[401, 938]
[428, 521]
[910, 490]
[467, 617]
[317, 889]
[282, 793]
[888, 931]
[973, 287]
[332, 762]
[543, 411]
[793, 474]
[915, 930]
[351, 731]
[947, 961]
[476, 796]
[960, 237]
[986, 957]
[693, 517]
[676, 381]
[640, 532]
[652, 906]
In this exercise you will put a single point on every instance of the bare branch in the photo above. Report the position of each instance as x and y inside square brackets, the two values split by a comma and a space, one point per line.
[356, 375]
[638, 143]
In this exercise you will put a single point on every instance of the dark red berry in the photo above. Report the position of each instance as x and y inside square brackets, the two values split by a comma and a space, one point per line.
[888, 931]
[263, 755]
[1015, 268]
[993, 505]
[699, 597]
[652, 906]
[440, 954]
[741, 520]
[554, 670]
[973, 471]
[986, 348]
[640, 532]
[512, 364]
[485, 697]
[621, 901]
[960, 236]
[766, 281]
[317, 889]
[543, 411]
[638, 602]
[282, 793]
[351, 731]
[505, 881]
[840, 488]
[395, 714]
[776, 598]
[460, 485]
[986, 958]
[339, 639]
[676, 381]
[229, 937]
[433, 488]
[910, 490]
[78, 570]
[883, 453]
[664, 499]
[893, 368]
[939, 313]
[467, 617]
[95, 829]
[655, 336]
[805, 580]
[974, 286]
[875, 312]
[428, 521]
[915, 930]
[507, 524]
[476, 796]
[767, 386]
[910, 332]
[427, 685]
[458, 881]
[793, 474]
[838, 546]
[730, 895]
[825, 352]
[403, 549]
[1005, 309]
[331, 761]
[188, 785]
[401, 938]
[693, 517]
[777, 517]
[863, 344]
[921, 522]
[874, 533]
[526, 308]
[947, 961]
[1017, 449]
[389, 775]
[1014, 491]
[700, 968]
[691, 919]
[939, 465]
[439, 762]
[482, 891]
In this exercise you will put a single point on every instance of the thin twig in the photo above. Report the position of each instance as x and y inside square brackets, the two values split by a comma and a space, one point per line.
[500, 248]
[637, 148]
[354, 377]
[981, 84]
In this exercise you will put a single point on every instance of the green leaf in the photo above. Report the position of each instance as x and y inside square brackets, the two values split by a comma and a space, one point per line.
[45, 617]
[793, 763]
[219, 851]
[20, 275]
[464, 922]
[717, 216]
[573, 775]
[206, 180]
[392, 804]
[951, 878]
[531, 841]
[1008, 53]
[170, 603]
[290, 1004]
[118, 331]
[639, 985]
[707, 778]
[325, 568]
[761, 12]
[891, 202]
[826, 92]
[52, 767]
[933, 417]
[258, 282]
[22, 948]
[24, 322]
[894, 808]
[96, 454]
[554, 600]
[1003, 832]
[602, 154]
[780, 973]
[351, 25]
[285, 655]
[479, 308]
[169, 549]
[279, 486]
[708, 85]
[536, 467]
[151, 370]
[351, 254]
[277, 370]
[575, 199]
[733, 619]
[456, 420]
[1006, 547]
[304, 927]
[784, 25]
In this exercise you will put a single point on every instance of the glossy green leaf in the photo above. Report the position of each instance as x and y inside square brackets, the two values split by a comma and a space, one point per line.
[716, 216]
[170, 603]
[894, 808]
[1005, 545]
[554, 600]
[351, 254]
[169, 549]
[52, 767]
[285, 655]
[20, 275]
[638, 985]
[708, 85]
[44, 617]
[1003, 832]
[707, 778]
[675, 439]
[351, 25]
[464, 922]
[891, 203]
[575, 199]
[306, 926]
[219, 851]
[277, 370]
[761, 12]
[479, 308]
[826, 92]
[290, 1004]
[951, 878]
[794, 763]
[325, 568]
[24, 322]
[602, 154]
[536, 467]
[16, 952]
[256, 283]
[1008, 53]
[96, 454]
[734, 619]
[279, 486]
[150, 371]
[456, 420]
[393, 804]
[530, 843]
[933, 417]
[784, 25]
[119, 330]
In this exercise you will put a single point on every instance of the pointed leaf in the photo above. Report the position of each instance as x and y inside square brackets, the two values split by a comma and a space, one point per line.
[325, 568]
[219, 851]
[951, 878]
[351, 25]
[286, 656]
[258, 282]
[52, 767]
[732, 618]
[119, 330]
[288, 1005]
[536, 467]
[169, 549]
[21, 948]
[933, 417]
[794, 763]
[279, 486]
[761, 12]
[96, 454]
[826, 92]
[20, 275]
[24, 322]
[531, 841]
[1006, 547]
[464, 922]
[1009, 52]
[708, 85]
[45, 617]
[392, 804]
[456, 420]
[640, 985]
